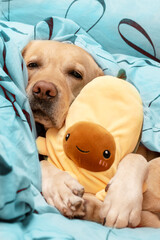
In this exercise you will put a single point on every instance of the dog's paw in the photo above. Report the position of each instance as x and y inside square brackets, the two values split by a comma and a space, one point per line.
[122, 207]
[75, 208]
[92, 208]
[65, 193]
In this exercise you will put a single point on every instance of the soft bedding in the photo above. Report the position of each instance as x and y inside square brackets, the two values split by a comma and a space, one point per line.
[23, 212]
[127, 27]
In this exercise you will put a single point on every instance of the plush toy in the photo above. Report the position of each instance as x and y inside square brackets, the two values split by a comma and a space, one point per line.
[102, 126]
[90, 146]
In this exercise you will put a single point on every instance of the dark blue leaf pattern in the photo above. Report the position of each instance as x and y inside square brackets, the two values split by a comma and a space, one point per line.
[103, 4]
[4, 168]
[137, 26]
[49, 21]
[12, 28]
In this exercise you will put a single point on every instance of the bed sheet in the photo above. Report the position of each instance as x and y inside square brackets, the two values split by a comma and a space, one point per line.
[23, 212]
[129, 27]
[120, 27]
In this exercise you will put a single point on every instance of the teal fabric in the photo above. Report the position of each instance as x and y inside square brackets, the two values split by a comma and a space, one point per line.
[143, 73]
[127, 27]
[23, 212]
[119, 27]
[19, 168]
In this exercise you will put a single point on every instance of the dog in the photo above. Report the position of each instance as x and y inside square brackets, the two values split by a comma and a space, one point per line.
[57, 72]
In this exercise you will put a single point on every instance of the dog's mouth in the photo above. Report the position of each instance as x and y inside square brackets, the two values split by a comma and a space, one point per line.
[47, 112]
[43, 119]
[42, 111]
[48, 117]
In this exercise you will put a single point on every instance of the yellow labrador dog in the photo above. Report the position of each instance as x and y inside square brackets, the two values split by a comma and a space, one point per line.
[57, 72]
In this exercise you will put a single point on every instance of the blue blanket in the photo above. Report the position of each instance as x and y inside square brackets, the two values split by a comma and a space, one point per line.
[23, 212]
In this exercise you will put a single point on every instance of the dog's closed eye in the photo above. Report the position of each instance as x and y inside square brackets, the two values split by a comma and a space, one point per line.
[33, 65]
[76, 74]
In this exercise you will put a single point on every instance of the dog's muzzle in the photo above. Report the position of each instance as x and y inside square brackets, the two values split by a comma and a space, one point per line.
[43, 90]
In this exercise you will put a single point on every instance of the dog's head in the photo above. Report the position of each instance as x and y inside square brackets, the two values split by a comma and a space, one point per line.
[57, 72]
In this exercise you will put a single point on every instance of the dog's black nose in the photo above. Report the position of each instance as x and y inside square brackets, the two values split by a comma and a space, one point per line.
[44, 90]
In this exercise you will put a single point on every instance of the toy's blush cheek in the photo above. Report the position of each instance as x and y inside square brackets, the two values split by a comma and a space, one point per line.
[90, 146]
[103, 163]
[96, 161]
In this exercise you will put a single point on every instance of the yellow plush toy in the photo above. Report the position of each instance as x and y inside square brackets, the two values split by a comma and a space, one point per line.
[102, 126]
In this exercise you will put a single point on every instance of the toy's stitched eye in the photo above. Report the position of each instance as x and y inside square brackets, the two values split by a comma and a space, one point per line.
[67, 136]
[106, 154]
[33, 65]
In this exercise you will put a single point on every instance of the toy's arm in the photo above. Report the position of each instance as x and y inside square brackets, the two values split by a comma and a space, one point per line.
[101, 195]
[41, 145]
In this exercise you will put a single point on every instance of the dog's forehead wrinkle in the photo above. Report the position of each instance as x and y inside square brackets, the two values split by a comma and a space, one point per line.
[33, 58]
[52, 49]
[72, 65]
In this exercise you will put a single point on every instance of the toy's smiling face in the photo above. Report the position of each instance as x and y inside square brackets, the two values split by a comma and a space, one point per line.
[90, 146]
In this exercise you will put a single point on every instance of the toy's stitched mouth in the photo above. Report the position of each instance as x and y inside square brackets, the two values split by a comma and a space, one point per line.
[82, 150]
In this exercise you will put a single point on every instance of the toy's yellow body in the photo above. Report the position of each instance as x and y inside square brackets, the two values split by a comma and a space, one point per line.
[111, 103]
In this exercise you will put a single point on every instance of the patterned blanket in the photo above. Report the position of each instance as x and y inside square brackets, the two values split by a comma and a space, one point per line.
[23, 212]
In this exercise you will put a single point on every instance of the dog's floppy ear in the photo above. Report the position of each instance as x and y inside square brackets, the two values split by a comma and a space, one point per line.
[100, 72]
[97, 71]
